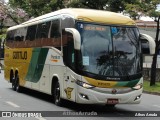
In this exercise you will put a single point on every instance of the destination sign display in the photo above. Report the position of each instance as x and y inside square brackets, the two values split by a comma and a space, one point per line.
[95, 28]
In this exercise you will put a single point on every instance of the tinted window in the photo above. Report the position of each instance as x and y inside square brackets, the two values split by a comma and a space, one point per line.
[43, 30]
[110, 51]
[23, 33]
[55, 29]
[18, 34]
[31, 32]
[68, 52]
[10, 35]
[67, 22]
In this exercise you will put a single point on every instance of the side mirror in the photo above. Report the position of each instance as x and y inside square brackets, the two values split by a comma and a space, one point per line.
[76, 37]
[151, 42]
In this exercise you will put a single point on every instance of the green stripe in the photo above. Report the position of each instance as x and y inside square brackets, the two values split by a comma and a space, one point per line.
[37, 64]
[127, 83]
[132, 83]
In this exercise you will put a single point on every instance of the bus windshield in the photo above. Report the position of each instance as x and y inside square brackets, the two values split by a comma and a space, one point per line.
[112, 51]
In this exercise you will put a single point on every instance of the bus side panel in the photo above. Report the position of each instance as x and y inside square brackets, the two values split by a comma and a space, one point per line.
[54, 67]
[45, 63]
[36, 67]
[17, 59]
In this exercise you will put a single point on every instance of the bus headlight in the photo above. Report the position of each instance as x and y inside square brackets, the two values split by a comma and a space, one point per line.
[137, 87]
[83, 84]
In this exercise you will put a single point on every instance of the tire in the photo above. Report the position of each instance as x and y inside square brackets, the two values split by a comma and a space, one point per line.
[56, 94]
[17, 86]
[12, 80]
[13, 84]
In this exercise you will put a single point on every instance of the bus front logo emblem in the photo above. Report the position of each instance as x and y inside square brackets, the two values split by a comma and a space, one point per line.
[114, 91]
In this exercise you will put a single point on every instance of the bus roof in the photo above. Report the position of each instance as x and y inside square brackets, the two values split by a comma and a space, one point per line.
[101, 16]
[88, 15]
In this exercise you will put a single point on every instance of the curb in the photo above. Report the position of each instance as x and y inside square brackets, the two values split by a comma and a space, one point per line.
[153, 93]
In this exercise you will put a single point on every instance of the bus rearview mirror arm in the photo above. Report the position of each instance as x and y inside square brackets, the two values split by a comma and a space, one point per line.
[76, 37]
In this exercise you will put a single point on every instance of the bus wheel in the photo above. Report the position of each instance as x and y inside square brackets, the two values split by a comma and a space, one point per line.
[13, 84]
[56, 94]
[12, 80]
[17, 86]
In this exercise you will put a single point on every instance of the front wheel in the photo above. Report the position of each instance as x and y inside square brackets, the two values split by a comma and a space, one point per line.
[56, 94]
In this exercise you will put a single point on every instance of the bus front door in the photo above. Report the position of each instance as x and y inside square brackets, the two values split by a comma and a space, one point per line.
[69, 58]
[69, 85]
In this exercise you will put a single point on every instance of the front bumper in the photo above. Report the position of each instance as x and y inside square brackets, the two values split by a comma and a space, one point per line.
[89, 96]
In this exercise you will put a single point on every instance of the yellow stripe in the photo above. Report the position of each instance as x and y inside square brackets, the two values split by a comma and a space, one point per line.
[100, 83]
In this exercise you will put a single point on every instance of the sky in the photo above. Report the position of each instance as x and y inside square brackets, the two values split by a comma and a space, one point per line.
[158, 7]
[146, 18]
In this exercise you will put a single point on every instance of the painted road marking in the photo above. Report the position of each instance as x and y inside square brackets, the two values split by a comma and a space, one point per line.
[40, 118]
[12, 104]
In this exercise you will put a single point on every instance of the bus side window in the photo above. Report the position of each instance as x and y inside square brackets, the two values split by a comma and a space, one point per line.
[17, 35]
[43, 30]
[55, 29]
[10, 36]
[31, 32]
[23, 33]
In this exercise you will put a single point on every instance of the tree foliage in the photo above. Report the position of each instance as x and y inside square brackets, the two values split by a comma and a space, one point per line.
[6, 12]
[119, 5]
[36, 8]
[111, 5]
[142, 8]
[98, 4]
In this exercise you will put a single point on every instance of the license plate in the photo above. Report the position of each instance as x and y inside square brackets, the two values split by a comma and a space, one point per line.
[112, 101]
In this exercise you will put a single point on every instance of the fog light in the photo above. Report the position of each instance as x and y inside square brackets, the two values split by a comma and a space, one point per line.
[84, 96]
[138, 97]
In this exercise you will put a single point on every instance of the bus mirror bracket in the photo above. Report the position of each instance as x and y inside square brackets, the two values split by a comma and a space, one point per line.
[76, 37]
[151, 41]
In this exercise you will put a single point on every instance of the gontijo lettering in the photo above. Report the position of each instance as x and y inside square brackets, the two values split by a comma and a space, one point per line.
[20, 55]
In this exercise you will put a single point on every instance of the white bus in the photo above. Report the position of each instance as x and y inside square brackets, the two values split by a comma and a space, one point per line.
[82, 55]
